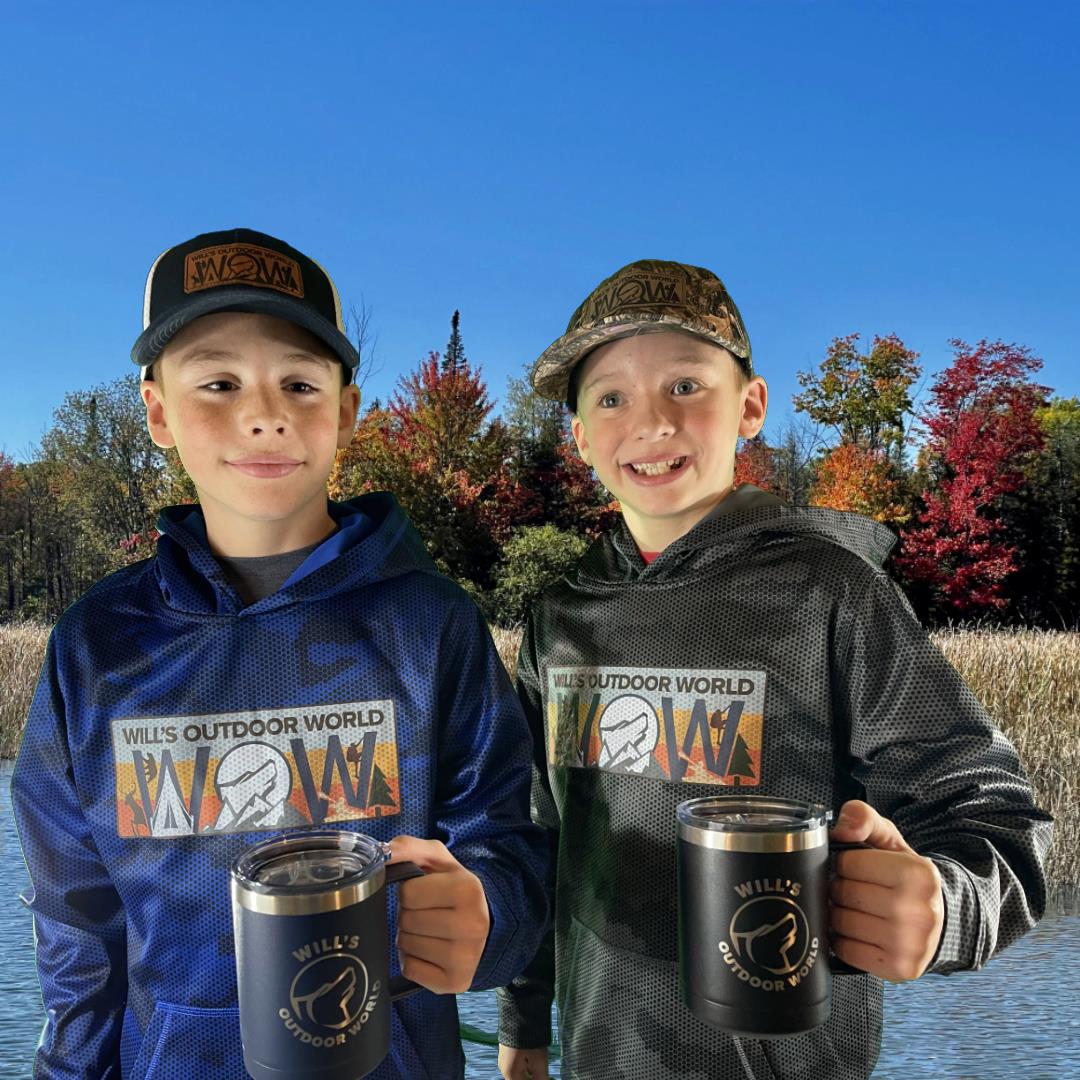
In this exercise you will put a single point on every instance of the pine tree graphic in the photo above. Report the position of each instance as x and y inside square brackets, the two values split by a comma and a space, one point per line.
[380, 792]
[741, 762]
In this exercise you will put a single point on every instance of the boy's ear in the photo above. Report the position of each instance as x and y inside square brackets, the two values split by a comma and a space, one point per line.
[350, 406]
[156, 421]
[577, 429]
[755, 400]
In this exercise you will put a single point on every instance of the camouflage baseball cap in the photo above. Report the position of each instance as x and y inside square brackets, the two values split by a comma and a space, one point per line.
[644, 296]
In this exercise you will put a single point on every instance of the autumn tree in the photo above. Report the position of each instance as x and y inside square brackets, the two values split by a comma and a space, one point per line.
[755, 463]
[981, 429]
[863, 397]
[434, 447]
[860, 479]
[547, 464]
[99, 438]
[1042, 519]
[67, 515]
[11, 521]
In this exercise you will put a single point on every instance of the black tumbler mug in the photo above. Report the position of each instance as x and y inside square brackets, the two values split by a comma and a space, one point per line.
[753, 914]
[313, 955]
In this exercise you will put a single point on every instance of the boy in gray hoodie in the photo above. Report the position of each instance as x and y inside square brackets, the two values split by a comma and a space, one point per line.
[717, 639]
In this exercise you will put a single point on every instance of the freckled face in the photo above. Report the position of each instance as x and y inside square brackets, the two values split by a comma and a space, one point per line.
[255, 407]
[659, 416]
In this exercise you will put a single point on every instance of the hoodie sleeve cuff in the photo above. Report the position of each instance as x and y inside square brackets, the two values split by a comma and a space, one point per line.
[959, 945]
[501, 933]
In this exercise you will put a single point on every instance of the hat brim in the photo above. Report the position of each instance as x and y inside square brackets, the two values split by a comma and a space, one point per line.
[553, 368]
[152, 341]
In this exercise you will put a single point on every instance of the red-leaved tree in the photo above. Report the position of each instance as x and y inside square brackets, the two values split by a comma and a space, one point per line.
[980, 427]
[449, 467]
[755, 463]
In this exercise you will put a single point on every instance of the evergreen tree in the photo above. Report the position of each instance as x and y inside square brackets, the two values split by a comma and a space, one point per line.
[454, 357]
[547, 463]
[1042, 519]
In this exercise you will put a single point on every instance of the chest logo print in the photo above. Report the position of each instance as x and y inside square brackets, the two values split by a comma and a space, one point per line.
[688, 726]
[244, 772]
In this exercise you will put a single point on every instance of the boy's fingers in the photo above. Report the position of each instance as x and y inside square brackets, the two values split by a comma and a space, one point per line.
[459, 892]
[869, 958]
[428, 975]
[864, 896]
[430, 855]
[428, 921]
[859, 823]
[857, 926]
[431, 949]
[887, 868]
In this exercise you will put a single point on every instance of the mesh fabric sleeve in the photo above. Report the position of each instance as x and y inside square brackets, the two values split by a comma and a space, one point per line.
[482, 811]
[931, 760]
[79, 922]
[525, 1003]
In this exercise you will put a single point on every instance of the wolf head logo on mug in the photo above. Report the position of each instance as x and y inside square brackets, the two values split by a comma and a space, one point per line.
[769, 943]
[331, 995]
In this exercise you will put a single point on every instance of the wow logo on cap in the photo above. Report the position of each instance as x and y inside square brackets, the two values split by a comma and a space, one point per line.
[242, 264]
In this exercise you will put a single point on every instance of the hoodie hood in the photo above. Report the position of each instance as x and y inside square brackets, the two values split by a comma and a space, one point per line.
[747, 517]
[374, 542]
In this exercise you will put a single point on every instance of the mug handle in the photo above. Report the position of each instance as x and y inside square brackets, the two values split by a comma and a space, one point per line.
[838, 966]
[401, 987]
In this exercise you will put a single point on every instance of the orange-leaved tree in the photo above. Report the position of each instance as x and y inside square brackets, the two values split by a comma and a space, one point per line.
[861, 479]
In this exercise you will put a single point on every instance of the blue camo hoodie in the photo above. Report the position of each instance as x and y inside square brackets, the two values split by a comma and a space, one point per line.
[172, 727]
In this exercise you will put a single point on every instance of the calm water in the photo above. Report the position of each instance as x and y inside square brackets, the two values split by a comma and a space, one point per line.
[1020, 1017]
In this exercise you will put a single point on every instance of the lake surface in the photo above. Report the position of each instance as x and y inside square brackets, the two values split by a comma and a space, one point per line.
[1019, 1017]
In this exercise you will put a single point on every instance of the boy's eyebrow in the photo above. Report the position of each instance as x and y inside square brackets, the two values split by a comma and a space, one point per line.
[213, 356]
[683, 359]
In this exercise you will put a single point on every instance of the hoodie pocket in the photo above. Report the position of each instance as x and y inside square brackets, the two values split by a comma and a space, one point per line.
[622, 1017]
[182, 1042]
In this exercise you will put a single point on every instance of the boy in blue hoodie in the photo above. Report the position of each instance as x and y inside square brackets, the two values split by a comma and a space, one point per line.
[282, 661]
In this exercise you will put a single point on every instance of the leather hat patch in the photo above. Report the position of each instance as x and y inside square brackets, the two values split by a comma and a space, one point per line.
[242, 264]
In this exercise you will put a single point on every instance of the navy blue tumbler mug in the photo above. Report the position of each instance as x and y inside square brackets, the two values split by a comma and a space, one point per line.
[313, 955]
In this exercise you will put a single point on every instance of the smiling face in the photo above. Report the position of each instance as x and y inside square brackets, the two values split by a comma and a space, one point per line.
[255, 407]
[658, 418]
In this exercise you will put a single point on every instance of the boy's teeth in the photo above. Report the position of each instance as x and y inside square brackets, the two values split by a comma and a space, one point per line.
[656, 468]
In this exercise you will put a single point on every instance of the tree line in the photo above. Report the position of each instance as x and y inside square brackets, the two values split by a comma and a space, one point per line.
[981, 482]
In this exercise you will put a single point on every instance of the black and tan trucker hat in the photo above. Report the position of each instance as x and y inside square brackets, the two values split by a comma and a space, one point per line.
[238, 270]
[644, 296]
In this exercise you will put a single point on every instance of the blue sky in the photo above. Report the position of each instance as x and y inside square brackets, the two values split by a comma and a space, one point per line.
[845, 167]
